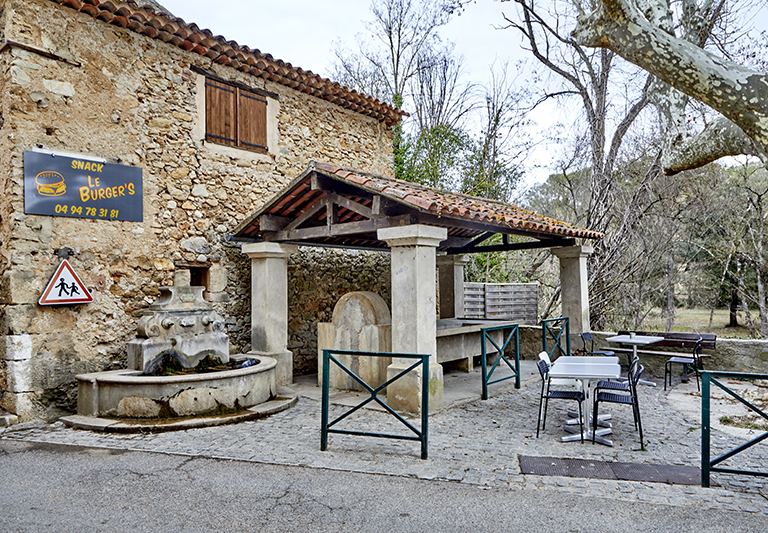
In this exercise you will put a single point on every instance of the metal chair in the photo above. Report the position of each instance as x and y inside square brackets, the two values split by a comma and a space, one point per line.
[621, 384]
[558, 382]
[548, 394]
[693, 362]
[624, 399]
[586, 337]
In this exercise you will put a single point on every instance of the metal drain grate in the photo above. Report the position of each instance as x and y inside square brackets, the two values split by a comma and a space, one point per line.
[548, 466]
[675, 474]
[552, 466]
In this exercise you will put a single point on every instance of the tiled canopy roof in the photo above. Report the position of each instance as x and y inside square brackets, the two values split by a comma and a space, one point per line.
[331, 206]
[146, 21]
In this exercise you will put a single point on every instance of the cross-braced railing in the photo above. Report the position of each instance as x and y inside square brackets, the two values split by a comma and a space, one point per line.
[512, 335]
[327, 427]
[709, 465]
[555, 329]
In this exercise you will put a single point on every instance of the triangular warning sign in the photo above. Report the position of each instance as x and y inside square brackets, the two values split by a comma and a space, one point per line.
[65, 288]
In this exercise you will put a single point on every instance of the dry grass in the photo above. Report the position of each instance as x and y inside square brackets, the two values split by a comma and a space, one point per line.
[697, 321]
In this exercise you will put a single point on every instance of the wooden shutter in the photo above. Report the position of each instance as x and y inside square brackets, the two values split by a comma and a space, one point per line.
[252, 121]
[220, 113]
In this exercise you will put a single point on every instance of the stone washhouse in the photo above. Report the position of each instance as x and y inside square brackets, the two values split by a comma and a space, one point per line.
[331, 206]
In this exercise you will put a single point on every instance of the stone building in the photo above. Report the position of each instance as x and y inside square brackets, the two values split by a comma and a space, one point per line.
[213, 128]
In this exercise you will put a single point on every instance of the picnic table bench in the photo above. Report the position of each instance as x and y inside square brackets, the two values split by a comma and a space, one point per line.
[682, 342]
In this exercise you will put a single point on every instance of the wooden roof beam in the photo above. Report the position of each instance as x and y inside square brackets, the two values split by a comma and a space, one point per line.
[509, 247]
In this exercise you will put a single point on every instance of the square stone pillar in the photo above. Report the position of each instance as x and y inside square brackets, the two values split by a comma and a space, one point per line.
[450, 270]
[414, 310]
[269, 305]
[574, 290]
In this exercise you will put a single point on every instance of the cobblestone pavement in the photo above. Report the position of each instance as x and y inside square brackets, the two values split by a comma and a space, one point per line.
[476, 443]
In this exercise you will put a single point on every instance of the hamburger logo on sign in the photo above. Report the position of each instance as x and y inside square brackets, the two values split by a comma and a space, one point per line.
[50, 183]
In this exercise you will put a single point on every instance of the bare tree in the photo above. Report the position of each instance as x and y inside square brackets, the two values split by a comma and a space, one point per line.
[737, 92]
[439, 96]
[401, 30]
[591, 78]
[436, 143]
[733, 239]
[492, 168]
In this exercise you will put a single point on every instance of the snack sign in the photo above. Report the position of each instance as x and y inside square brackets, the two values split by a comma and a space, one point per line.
[66, 186]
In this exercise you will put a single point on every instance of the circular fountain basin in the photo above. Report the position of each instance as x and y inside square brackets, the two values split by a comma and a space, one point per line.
[125, 400]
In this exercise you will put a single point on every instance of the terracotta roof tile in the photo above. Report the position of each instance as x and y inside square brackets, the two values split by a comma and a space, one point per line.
[420, 202]
[90, 9]
[441, 202]
[189, 37]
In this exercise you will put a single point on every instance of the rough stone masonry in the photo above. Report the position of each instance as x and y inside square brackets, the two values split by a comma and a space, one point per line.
[73, 83]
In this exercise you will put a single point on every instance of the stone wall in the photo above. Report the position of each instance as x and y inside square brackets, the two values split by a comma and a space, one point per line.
[131, 100]
[5, 207]
[317, 279]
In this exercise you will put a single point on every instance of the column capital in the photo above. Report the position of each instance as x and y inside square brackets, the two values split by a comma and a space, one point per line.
[459, 259]
[573, 252]
[268, 250]
[413, 235]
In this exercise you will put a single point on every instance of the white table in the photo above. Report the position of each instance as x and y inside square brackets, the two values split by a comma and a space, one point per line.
[585, 369]
[635, 341]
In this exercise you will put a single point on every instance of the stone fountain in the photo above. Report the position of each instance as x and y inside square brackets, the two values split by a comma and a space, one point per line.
[180, 374]
[180, 327]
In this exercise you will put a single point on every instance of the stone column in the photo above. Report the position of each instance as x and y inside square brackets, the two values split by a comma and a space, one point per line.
[451, 281]
[414, 320]
[574, 285]
[269, 305]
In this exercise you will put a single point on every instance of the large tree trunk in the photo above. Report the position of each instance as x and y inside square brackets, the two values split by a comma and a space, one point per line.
[733, 321]
[735, 91]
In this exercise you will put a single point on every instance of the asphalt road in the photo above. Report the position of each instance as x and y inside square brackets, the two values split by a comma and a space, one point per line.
[65, 488]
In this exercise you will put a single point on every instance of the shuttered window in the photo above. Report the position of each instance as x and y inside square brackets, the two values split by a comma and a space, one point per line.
[235, 116]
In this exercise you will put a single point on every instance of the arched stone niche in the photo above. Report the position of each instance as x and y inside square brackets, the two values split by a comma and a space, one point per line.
[361, 322]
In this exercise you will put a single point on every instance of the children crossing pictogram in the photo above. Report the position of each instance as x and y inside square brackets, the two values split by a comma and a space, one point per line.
[65, 288]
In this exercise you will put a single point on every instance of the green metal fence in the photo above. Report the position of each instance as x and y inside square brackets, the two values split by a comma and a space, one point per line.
[514, 334]
[555, 329]
[709, 465]
[327, 427]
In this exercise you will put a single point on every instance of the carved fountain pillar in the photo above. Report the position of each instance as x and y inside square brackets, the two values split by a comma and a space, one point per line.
[414, 321]
[269, 304]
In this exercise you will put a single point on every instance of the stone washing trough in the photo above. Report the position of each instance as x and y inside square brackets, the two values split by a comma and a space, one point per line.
[179, 332]
[459, 339]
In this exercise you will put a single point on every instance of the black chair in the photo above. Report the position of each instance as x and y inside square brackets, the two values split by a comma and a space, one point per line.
[621, 384]
[548, 394]
[624, 399]
[693, 362]
[586, 337]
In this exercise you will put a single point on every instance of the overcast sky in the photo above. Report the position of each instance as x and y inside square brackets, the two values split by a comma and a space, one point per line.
[302, 32]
